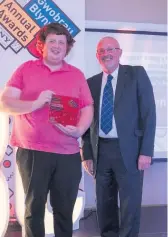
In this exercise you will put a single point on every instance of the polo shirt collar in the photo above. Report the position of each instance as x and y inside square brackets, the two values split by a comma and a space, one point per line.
[65, 67]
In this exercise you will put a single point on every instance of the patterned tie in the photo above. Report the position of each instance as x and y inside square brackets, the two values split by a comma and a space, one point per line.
[107, 106]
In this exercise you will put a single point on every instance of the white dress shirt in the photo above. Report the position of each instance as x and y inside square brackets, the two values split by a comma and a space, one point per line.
[113, 132]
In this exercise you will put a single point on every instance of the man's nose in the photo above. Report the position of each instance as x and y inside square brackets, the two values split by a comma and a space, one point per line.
[56, 44]
[106, 53]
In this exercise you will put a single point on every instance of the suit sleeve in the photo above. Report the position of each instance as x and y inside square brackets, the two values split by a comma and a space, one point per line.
[87, 153]
[147, 111]
[86, 146]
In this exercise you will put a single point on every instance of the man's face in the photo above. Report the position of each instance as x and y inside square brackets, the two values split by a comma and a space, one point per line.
[55, 48]
[108, 54]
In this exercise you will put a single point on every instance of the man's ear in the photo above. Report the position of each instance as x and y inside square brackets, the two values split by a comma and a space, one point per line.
[121, 52]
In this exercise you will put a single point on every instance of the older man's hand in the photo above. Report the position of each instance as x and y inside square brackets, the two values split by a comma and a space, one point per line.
[144, 162]
[88, 166]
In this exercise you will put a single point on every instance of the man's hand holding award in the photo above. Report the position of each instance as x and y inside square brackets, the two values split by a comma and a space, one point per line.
[64, 113]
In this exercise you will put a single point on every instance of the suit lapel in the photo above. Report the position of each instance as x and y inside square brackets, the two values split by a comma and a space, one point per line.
[122, 80]
[96, 93]
[121, 83]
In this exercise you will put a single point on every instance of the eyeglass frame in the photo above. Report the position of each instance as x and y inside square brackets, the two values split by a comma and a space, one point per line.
[108, 50]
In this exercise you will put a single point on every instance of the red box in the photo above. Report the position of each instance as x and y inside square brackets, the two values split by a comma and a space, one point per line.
[64, 110]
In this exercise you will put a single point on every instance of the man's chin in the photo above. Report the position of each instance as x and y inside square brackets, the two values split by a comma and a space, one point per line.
[56, 60]
[109, 67]
[109, 64]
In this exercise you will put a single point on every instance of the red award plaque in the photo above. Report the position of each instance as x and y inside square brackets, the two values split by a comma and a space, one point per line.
[64, 110]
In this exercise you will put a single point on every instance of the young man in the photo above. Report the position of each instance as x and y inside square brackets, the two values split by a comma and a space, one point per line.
[120, 142]
[48, 154]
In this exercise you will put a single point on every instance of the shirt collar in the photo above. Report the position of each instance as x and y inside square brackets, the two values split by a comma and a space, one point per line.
[114, 74]
[65, 66]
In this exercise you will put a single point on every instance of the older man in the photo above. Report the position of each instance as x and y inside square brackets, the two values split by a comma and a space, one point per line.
[120, 142]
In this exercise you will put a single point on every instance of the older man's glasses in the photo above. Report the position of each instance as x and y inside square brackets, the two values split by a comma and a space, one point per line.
[108, 50]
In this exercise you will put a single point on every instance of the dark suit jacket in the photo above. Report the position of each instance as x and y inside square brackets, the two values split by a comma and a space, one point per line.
[134, 112]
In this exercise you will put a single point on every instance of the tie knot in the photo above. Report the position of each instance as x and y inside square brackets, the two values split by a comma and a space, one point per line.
[109, 78]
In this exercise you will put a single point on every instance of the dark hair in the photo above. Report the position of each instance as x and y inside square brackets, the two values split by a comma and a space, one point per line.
[53, 28]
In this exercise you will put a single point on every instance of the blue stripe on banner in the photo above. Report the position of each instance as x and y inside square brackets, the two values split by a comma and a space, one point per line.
[137, 32]
[45, 12]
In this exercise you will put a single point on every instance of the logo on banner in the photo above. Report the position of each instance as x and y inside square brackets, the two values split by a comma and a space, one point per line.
[19, 25]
